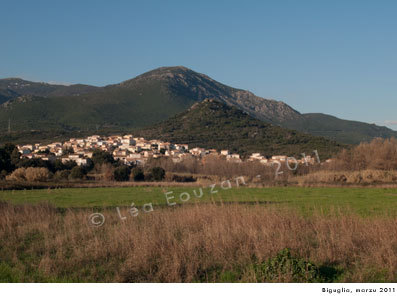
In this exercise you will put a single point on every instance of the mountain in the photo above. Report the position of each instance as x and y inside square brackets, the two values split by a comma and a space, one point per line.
[12, 88]
[147, 99]
[345, 131]
[186, 83]
[151, 97]
[213, 124]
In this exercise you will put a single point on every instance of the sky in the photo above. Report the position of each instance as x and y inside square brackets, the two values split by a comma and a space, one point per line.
[335, 57]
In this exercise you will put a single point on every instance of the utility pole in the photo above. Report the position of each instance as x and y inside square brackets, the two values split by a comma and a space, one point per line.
[9, 125]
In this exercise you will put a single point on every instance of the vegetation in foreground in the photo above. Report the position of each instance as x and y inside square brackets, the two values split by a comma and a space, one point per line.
[197, 243]
[237, 234]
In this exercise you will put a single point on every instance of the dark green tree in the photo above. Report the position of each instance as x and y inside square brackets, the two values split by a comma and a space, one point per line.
[101, 157]
[122, 173]
[137, 174]
[9, 157]
[77, 173]
[15, 157]
[89, 165]
[157, 173]
[5, 161]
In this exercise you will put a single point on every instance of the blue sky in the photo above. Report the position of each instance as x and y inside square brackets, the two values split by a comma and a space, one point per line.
[335, 57]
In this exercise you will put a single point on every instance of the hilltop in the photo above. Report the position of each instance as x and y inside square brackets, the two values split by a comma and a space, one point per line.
[213, 124]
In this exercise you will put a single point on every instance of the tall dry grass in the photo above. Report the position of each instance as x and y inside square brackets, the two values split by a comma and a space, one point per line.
[190, 243]
[364, 177]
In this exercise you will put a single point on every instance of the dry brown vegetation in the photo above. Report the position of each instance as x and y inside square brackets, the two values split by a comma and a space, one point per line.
[364, 177]
[193, 243]
[215, 166]
[29, 174]
[371, 163]
[365, 164]
[380, 154]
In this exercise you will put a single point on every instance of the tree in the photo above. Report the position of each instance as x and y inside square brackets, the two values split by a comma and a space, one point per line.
[70, 164]
[8, 155]
[37, 174]
[77, 173]
[157, 173]
[121, 173]
[101, 157]
[35, 163]
[62, 175]
[106, 171]
[46, 151]
[15, 157]
[3, 174]
[9, 148]
[5, 161]
[68, 150]
[89, 165]
[137, 174]
[58, 165]
[17, 175]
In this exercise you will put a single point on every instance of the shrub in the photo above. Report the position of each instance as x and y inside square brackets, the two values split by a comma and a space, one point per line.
[178, 178]
[137, 174]
[285, 266]
[62, 175]
[35, 163]
[77, 173]
[379, 154]
[105, 172]
[18, 175]
[68, 165]
[37, 174]
[157, 173]
[121, 173]
[3, 174]
[149, 177]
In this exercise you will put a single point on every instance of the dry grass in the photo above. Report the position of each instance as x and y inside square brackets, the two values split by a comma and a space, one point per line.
[364, 177]
[196, 243]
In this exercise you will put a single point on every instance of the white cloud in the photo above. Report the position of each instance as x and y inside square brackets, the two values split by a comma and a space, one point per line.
[391, 122]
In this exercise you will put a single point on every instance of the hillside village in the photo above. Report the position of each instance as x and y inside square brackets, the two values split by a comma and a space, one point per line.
[133, 151]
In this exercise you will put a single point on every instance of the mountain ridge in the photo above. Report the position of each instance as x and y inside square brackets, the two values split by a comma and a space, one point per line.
[16, 87]
[152, 97]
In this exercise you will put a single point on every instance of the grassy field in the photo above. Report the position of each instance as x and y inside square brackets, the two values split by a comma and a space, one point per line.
[363, 201]
[285, 234]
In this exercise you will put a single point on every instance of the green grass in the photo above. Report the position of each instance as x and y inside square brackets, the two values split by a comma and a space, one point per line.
[363, 201]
